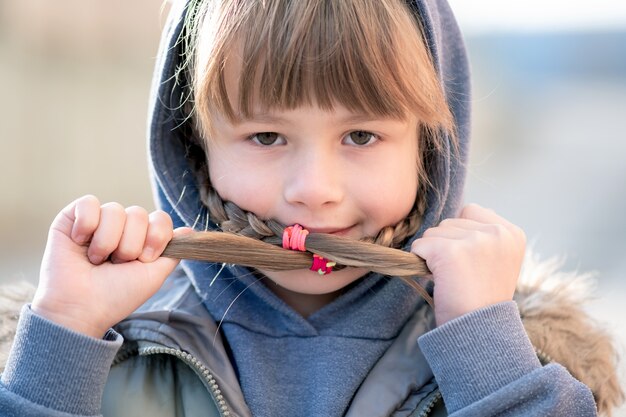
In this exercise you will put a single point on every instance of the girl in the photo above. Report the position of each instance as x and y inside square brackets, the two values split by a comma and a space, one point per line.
[346, 119]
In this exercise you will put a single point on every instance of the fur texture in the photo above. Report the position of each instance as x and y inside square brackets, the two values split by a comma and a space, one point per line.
[551, 304]
[12, 298]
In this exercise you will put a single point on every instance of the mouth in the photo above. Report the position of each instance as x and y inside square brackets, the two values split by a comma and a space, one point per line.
[337, 231]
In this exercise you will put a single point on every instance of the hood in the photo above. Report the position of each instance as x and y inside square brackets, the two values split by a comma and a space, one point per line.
[353, 332]
[174, 186]
[174, 183]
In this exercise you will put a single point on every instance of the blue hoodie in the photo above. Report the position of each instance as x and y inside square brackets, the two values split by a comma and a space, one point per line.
[359, 355]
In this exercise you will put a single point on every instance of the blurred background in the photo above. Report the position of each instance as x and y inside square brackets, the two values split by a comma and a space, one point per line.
[548, 129]
[549, 133]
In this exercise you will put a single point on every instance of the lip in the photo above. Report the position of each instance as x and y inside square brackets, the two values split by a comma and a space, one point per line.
[330, 230]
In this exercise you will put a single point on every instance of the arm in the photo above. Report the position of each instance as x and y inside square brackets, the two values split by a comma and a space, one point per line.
[480, 353]
[485, 365]
[101, 262]
[52, 370]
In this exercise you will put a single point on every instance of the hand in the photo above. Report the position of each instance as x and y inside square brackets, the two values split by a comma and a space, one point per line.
[475, 261]
[101, 263]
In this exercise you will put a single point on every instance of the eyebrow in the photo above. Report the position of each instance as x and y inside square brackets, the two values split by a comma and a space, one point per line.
[265, 117]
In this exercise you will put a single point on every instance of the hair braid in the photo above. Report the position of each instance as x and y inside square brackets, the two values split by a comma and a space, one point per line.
[231, 218]
[253, 242]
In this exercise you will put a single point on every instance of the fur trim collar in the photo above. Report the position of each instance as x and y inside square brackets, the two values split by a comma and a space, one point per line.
[551, 303]
[552, 307]
[12, 297]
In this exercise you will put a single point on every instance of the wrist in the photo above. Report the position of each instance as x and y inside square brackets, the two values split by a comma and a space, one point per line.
[74, 322]
[445, 314]
[45, 354]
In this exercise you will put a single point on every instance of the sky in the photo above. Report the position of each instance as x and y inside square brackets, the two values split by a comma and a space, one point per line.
[477, 16]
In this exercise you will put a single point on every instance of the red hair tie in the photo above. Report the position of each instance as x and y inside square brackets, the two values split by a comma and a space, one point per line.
[322, 265]
[294, 238]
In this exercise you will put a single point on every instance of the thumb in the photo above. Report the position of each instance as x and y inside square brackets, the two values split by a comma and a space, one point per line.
[163, 266]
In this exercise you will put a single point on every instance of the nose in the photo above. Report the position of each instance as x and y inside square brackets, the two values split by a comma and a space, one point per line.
[314, 179]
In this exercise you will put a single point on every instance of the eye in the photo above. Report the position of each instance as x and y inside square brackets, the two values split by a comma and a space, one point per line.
[360, 138]
[267, 139]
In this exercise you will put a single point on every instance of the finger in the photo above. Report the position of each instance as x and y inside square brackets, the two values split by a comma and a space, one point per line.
[181, 231]
[462, 223]
[471, 227]
[481, 214]
[430, 249]
[133, 236]
[107, 236]
[79, 219]
[163, 266]
[448, 232]
[160, 232]
[493, 223]
[160, 269]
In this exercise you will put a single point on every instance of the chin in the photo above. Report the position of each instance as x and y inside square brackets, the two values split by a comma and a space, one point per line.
[304, 281]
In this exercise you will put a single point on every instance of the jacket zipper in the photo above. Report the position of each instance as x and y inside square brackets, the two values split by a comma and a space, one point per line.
[436, 396]
[199, 369]
[210, 382]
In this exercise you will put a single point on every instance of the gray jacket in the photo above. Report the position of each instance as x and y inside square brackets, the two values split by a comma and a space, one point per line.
[170, 345]
[171, 365]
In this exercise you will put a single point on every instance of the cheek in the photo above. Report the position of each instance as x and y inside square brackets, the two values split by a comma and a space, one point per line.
[246, 185]
[394, 195]
[388, 194]
[396, 178]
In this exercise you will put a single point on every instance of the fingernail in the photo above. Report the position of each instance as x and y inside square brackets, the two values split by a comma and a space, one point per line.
[148, 254]
[80, 239]
[96, 260]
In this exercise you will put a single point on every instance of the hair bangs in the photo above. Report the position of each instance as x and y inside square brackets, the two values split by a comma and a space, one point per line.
[368, 57]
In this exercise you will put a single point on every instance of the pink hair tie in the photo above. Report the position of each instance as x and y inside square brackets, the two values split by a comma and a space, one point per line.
[287, 237]
[294, 238]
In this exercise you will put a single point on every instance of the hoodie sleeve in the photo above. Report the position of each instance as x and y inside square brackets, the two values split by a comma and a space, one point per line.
[486, 365]
[53, 371]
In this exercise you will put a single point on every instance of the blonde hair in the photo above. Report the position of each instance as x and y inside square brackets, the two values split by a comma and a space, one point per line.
[369, 56]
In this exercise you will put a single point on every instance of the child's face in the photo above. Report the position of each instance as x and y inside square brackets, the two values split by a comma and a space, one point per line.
[329, 171]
